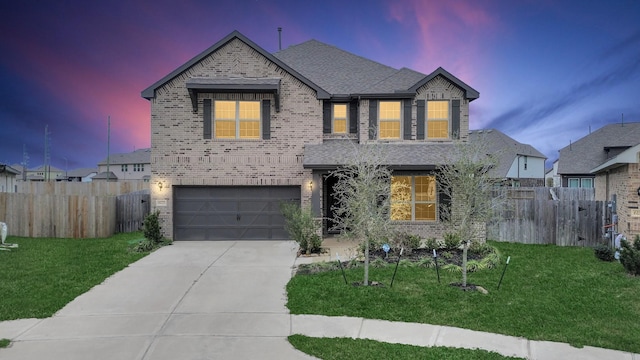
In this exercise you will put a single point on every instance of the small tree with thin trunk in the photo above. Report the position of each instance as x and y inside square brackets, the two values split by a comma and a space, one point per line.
[363, 209]
[466, 181]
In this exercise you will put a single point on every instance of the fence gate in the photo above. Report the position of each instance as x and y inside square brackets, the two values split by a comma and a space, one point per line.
[131, 209]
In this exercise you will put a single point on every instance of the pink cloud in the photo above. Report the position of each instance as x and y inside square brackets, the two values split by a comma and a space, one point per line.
[451, 34]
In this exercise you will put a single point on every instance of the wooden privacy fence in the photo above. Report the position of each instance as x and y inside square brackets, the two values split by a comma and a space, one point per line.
[131, 209]
[531, 216]
[58, 216]
[94, 188]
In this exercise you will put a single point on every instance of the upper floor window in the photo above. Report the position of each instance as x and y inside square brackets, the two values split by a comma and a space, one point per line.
[389, 120]
[437, 119]
[339, 118]
[413, 198]
[237, 119]
[138, 167]
[124, 167]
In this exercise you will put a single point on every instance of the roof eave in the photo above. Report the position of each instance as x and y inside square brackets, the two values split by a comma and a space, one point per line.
[469, 92]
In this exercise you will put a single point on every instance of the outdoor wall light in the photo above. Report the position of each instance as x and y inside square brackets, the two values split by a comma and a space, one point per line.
[310, 185]
[160, 185]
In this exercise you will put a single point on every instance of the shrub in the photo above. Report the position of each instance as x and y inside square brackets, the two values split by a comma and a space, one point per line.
[630, 256]
[604, 253]
[451, 241]
[302, 227]
[431, 243]
[405, 241]
[152, 228]
[152, 234]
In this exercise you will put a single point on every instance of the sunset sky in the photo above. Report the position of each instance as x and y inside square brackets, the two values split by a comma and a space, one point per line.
[547, 71]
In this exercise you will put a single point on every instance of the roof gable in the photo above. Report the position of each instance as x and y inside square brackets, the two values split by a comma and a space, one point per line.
[589, 152]
[149, 93]
[469, 92]
[505, 147]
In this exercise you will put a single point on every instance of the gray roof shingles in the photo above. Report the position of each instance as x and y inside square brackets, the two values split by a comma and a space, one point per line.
[589, 152]
[505, 147]
[140, 156]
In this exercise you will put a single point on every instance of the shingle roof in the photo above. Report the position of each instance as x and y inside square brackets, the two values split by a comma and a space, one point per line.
[505, 147]
[333, 153]
[589, 152]
[140, 156]
[341, 73]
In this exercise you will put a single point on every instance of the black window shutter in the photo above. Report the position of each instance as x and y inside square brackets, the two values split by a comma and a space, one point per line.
[373, 119]
[206, 118]
[353, 117]
[406, 113]
[455, 119]
[421, 120]
[326, 117]
[444, 202]
[266, 119]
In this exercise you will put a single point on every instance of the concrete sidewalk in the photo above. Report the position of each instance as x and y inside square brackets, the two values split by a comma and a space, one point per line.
[226, 300]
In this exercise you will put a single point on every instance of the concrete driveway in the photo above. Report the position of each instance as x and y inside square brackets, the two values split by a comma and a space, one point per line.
[190, 300]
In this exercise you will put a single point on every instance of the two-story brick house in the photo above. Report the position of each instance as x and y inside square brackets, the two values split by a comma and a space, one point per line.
[236, 130]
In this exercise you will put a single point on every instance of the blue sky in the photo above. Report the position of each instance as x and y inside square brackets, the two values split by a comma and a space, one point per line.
[547, 71]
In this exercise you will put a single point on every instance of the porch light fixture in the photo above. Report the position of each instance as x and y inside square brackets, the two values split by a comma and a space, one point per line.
[160, 185]
[310, 185]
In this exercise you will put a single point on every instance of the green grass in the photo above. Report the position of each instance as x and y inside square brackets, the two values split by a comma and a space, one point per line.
[4, 343]
[42, 275]
[550, 293]
[355, 349]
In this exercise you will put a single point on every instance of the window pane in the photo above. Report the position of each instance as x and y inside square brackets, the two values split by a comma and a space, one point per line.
[340, 126]
[438, 129]
[438, 110]
[389, 130]
[425, 188]
[225, 110]
[426, 211]
[574, 183]
[225, 129]
[401, 198]
[586, 183]
[400, 211]
[249, 110]
[340, 118]
[390, 110]
[249, 129]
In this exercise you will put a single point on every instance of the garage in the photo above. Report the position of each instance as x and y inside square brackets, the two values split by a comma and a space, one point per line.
[231, 212]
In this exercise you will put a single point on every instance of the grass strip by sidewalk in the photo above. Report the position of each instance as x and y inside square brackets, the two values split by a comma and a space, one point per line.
[549, 293]
[360, 349]
[42, 275]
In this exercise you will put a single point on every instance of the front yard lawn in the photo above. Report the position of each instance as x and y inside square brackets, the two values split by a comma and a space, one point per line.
[42, 275]
[356, 349]
[549, 293]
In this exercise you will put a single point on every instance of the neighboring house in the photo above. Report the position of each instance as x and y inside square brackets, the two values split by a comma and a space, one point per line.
[518, 164]
[237, 130]
[78, 175]
[620, 176]
[8, 178]
[576, 161]
[105, 176]
[551, 178]
[135, 165]
[40, 173]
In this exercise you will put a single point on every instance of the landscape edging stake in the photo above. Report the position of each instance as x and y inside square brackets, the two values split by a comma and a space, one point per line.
[435, 259]
[341, 268]
[397, 263]
[503, 271]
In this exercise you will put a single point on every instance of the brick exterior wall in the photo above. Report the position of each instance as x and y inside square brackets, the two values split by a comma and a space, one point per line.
[181, 156]
[623, 181]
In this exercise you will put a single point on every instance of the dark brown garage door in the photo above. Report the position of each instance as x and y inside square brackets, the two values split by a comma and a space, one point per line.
[231, 212]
